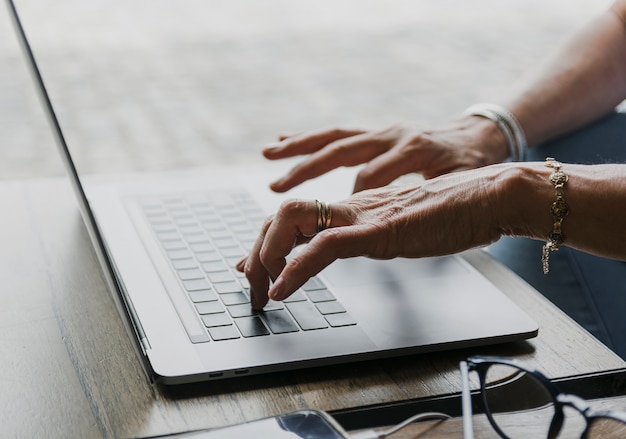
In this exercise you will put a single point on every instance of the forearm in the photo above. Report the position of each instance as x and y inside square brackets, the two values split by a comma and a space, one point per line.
[582, 82]
[595, 195]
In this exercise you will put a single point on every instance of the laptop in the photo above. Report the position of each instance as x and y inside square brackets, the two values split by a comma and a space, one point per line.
[168, 244]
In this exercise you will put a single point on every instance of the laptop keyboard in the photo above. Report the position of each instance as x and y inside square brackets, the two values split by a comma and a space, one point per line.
[203, 237]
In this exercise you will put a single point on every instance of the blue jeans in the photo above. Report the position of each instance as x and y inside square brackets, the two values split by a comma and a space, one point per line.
[590, 289]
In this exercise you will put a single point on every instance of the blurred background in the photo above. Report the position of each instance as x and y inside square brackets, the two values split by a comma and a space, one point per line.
[162, 84]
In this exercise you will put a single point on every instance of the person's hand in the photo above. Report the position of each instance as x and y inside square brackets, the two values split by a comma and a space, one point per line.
[439, 216]
[466, 143]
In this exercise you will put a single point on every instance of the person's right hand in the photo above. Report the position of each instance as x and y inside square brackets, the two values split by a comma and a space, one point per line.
[434, 217]
[465, 143]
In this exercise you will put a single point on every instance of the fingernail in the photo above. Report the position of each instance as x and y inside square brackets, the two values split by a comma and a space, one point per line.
[271, 147]
[277, 185]
[277, 290]
[241, 264]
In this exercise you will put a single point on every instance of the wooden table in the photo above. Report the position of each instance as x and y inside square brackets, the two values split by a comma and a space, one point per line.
[530, 424]
[69, 369]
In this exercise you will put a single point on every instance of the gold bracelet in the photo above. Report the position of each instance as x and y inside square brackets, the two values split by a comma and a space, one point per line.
[559, 211]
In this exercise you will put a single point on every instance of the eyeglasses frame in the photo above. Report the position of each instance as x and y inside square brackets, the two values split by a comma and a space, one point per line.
[480, 365]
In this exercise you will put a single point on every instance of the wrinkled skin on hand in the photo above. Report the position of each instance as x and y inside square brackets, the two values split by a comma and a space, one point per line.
[466, 143]
[439, 216]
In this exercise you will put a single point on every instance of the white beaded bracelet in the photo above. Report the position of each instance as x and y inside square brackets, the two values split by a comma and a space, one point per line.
[508, 123]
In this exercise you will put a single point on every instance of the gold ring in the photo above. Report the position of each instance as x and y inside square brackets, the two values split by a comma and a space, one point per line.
[324, 215]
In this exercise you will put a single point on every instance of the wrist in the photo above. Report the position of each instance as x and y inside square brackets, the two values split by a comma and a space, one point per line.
[524, 199]
[486, 137]
[508, 125]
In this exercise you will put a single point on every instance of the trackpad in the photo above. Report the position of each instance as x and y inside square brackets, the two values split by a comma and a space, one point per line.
[363, 271]
[423, 302]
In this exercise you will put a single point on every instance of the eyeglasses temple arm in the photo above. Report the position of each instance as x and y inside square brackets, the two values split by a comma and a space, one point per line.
[466, 401]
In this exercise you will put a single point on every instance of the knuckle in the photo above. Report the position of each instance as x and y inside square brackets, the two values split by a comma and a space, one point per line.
[248, 270]
[330, 237]
[267, 223]
[290, 206]
[413, 141]
[335, 132]
[297, 265]
[263, 255]
[365, 175]
[341, 148]
[291, 209]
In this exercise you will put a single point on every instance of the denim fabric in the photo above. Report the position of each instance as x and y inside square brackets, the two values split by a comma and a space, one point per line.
[590, 289]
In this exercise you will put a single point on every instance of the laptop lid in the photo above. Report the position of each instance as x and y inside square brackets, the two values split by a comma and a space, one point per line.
[74, 179]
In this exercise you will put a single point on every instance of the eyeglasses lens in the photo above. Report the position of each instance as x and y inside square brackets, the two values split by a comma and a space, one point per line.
[519, 404]
[606, 428]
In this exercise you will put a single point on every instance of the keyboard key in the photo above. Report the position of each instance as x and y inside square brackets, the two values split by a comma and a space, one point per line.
[197, 239]
[235, 253]
[185, 221]
[202, 247]
[234, 299]
[164, 227]
[223, 243]
[202, 296]
[279, 322]
[330, 307]
[245, 283]
[307, 316]
[209, 307]
[241, 228]
[197, 285]
[251, 326]
[213, 320]
[298, 296]
[235, 221]
[228, 287]
[341, 319]
[158, 217]
[221, 276]
[168, 236]
[178, 254]
[213, 225]
[184, 264]
[220, 234]
[233, 261]
[247, 244]
[210, 256]
[224, 333]
[271, 306]
[320, 295]
[190, 274]
[313, 284]
[191, 229]
[243, 310]
[174, 245]
[214, 266]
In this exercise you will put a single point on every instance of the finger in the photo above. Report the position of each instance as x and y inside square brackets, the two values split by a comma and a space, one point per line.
[292, 225]
[301, 218]
[304, 218]
[294, 220]
[322, 250]
[241, 264]
[384, 169]
[256, 272]
[285, 136]
[305, 143]
[350, 151]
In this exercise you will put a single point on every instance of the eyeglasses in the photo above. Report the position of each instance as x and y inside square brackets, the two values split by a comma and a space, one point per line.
[518, 399]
